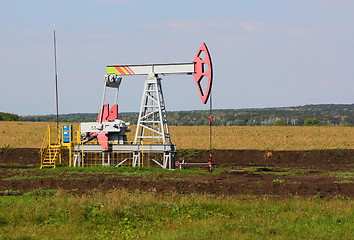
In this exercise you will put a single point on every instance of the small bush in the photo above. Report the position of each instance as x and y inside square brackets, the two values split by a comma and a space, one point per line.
[7, 147]
[311, 122]
[277, 180]
[280, 122]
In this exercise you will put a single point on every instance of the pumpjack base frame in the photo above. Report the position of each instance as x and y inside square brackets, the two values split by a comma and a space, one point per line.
[136, 150]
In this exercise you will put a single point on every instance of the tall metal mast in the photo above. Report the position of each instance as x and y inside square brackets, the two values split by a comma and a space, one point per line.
[56, 81]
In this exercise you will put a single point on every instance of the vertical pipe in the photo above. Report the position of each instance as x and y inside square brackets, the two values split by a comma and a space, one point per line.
[70, 145]
[82, 155]
[56, 81]
[210, 133]
[142, 154]
[117, 95]
[49, 135]
[78, 135]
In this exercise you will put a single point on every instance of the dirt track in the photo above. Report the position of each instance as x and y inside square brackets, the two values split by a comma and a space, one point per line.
[325, 173]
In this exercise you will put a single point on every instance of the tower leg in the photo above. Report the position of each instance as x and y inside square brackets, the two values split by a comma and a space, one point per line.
[136, 159]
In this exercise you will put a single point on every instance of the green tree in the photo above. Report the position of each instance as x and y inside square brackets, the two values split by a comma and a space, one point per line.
[311, 122]
[239, 122]
[8, 117]
[280, 122]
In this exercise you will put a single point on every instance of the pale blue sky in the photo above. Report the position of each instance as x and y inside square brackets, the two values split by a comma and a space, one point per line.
[266, 53]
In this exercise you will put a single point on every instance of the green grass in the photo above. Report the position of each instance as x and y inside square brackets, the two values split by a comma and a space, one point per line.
[19, 177]
[340, 174]
[65, 172]
[269, 170]
[299, 172]
[344, 181]
[134, 171]
[277, 180]
[145, 215]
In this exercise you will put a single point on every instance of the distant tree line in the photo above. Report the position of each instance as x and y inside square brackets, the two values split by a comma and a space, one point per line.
[9, 117]
[323, 114]
[77, 117]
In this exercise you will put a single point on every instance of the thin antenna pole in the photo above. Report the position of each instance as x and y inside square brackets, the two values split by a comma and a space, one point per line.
[210, 133]
[211, 122]
[56, 80]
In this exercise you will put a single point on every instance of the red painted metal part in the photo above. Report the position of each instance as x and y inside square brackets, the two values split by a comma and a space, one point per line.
[201, 72]
[210, 119]
[103, 140]
[107, 116]
[113, 113]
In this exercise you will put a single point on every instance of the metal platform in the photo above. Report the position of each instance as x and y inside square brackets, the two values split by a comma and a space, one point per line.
[135, 152]
[125, 148]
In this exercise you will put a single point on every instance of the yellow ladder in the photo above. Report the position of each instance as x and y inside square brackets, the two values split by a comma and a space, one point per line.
[50, 152]
[51, 156]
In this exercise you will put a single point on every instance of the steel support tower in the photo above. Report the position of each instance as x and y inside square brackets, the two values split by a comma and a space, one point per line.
[152, 121]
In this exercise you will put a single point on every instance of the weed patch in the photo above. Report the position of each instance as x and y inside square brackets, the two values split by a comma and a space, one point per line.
[348, 174]
[129, 171]
[41, 192]
[277, 180]
[344, 181]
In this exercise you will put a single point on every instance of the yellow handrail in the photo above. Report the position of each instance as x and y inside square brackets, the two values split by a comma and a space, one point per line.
[45, 143]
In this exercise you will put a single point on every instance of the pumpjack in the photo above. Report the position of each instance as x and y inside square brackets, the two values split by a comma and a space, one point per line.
[152, 126]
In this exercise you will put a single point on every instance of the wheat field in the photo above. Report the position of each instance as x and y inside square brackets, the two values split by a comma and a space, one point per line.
[31, 134]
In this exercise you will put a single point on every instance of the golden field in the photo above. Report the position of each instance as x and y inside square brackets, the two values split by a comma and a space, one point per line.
[31, 134]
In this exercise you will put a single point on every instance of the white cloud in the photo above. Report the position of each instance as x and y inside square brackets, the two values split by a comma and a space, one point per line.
[178, 24]
[250, 27]
[187, 25]
[113, 1]
[295, 32]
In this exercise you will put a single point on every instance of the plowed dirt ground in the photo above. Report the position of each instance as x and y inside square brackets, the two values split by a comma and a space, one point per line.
[323, 173]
